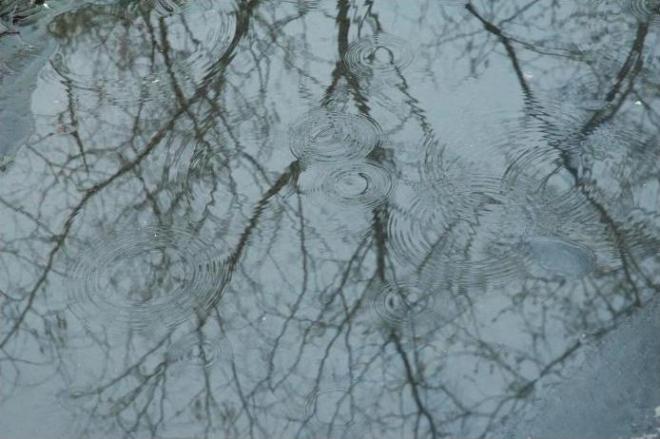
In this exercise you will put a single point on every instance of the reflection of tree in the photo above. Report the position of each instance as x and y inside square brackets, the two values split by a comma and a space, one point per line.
[297, 307]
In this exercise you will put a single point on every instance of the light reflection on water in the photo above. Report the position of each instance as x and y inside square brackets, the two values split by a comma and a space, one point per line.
[328, 218]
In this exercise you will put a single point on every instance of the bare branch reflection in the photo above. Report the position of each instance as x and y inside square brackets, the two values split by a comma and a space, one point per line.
[274, 218]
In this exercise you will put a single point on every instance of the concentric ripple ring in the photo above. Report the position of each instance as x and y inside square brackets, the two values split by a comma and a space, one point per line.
[378, 54]
[186, 38]
[399, 304]
[331, 137]
[362, 184]
[146, 277]
[643, 10]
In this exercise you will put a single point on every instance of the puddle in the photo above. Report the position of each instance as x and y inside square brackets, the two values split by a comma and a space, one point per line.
[329, 218]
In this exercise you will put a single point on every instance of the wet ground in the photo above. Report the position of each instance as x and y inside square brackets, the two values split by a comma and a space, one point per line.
[329, 219]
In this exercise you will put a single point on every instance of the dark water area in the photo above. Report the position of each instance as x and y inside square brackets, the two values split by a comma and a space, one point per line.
[321, 219]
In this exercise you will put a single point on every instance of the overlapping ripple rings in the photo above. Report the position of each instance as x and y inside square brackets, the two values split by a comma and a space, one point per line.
[145, 277]
[378, 54]
[595, 166]
[203, 182]
[454, 183]
[324, 136]
[412, 239]
[452, 189]
[183, 39]
[483, 250]
[487, 222]
[543, 237]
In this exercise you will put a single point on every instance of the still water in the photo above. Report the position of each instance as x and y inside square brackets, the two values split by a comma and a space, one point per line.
[329, 219]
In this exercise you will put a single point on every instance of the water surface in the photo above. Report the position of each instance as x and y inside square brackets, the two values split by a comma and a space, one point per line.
[329, 219]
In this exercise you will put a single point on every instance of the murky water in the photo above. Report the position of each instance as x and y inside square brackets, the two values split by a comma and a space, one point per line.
[329, 219]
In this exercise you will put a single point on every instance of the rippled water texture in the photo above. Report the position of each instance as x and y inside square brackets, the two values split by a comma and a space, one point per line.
[144, 277]
[137, 45]
[320, 219]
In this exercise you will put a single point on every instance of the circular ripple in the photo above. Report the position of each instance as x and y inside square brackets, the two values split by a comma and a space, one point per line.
[454, 184]
[330, 137]
[479, 236]
[378, 54]
[144, 278]
[413, 307]
[419, 223]
[485, 249]
[362, 184]
[643, 10]
[413, 239]
[203, 187]
[132, 53]
[399, 304]
[193, 349]
[526, 235]
[619, 161]
[570, 221]
[472, 227]
[452, 190]
[606, 163]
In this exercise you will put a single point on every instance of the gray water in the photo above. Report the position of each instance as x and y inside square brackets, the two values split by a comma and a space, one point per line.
[329, 219]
